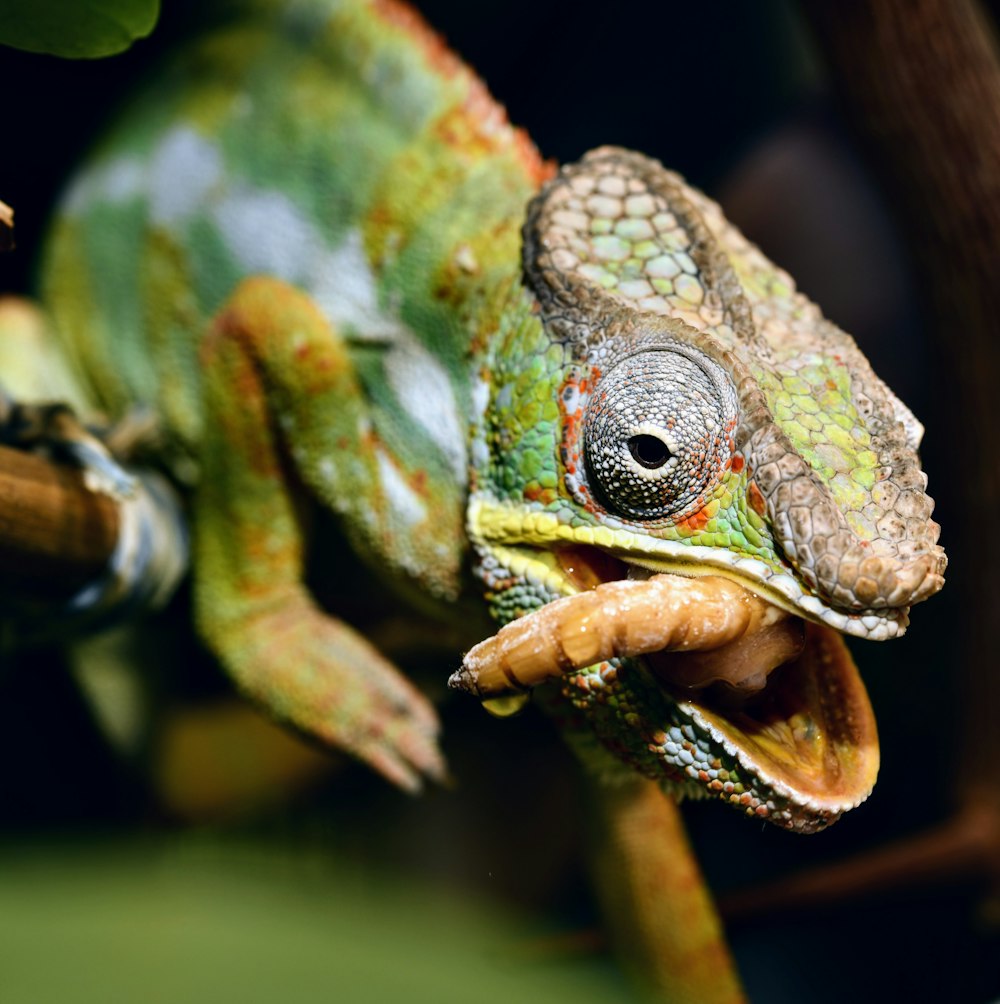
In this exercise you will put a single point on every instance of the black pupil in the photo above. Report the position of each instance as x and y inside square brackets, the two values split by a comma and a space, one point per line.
[648, 451]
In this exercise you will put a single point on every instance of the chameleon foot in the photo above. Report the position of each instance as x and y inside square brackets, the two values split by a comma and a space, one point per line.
[322, 678]
[150, 552]
[54, 429]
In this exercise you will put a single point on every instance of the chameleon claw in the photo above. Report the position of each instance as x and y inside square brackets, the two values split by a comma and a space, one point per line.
[101, 473]
[410, 762]
[55, 428]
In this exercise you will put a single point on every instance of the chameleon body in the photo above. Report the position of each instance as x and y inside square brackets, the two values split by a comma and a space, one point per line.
[304, 250]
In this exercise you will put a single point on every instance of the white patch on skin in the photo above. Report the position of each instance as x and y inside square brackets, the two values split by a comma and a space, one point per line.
[184, 170]
[479, 453]
[404, 502]
[423, 388]
[267, 234]
[177, 180]
[480, 397]
[114, 181]
[122, 180]
[343, 285]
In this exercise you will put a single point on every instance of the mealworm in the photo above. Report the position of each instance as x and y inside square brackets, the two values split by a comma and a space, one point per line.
[626, 617]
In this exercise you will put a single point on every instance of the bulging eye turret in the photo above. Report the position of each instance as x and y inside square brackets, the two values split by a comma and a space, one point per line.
[657, 432]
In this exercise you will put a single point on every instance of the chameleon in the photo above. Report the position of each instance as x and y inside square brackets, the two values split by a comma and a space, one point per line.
[321, 255]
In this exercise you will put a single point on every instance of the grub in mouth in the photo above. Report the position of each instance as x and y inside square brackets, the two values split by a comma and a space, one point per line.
[743, 666]
[620, 619]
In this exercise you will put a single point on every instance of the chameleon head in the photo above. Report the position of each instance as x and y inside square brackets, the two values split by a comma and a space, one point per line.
[667, 402]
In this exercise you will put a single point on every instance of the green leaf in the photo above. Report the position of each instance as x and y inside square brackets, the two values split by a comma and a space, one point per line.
[76, 29]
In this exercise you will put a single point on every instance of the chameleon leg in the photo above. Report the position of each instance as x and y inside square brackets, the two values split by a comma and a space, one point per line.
[659, 910]
[272, 362]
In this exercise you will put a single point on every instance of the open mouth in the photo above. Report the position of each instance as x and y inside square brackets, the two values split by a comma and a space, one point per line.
[808, 734]
[769, 714]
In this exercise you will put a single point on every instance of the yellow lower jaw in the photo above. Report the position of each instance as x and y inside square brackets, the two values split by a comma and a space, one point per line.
[811, 737]
[535, 565]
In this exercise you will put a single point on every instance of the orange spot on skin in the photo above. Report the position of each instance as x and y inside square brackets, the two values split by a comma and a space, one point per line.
[536, 493]
[736, 463]
[756, 500]
[571, 421]
[696, 522]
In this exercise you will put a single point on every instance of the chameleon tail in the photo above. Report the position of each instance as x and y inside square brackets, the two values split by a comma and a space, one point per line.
[663, 921]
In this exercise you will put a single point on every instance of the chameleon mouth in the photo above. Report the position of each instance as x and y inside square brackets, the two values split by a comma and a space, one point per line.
[719, 688]
[785, 700]
[517, 540]
[809, 734]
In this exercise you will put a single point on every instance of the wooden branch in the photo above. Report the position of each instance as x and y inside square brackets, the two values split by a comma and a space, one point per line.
[651, 888]
[55, 534]
[965, 847]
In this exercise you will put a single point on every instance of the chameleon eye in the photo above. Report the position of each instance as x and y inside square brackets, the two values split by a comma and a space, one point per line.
[656, 432]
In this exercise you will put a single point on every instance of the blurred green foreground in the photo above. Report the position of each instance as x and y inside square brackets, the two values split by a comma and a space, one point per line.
[199, 919]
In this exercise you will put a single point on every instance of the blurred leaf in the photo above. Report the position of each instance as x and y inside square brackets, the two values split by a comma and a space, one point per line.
[208, 920]
[76, 29]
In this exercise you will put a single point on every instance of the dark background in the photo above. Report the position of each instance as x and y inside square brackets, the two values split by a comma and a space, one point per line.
[734, 97]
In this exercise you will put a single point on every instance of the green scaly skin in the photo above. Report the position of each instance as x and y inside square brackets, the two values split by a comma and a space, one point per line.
[319, 287]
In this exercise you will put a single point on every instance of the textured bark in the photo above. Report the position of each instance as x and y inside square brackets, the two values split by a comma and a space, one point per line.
[964, 848]
[55, 534]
